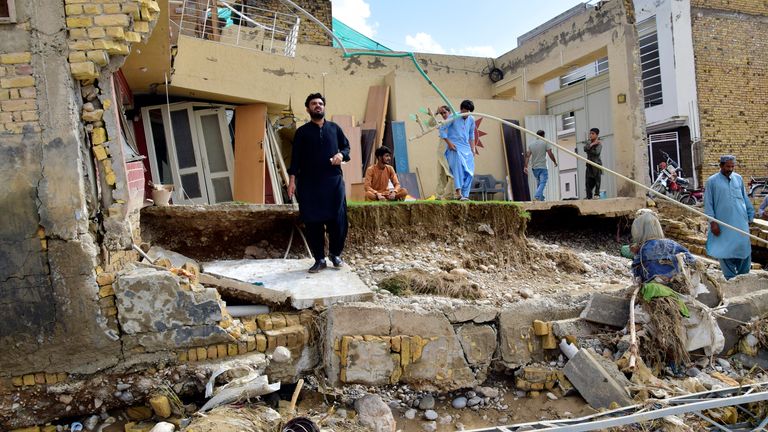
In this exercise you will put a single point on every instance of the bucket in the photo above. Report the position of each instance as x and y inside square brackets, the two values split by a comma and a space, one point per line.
[161, 195]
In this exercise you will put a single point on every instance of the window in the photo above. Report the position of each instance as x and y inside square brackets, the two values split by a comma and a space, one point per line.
[587, 71]
[649, 60]
[7, 11]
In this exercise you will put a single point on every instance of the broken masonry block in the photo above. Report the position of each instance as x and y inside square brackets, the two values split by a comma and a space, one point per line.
[607, 310]
[192, 354]
[213, 353]
[221, 350]
[540, 328]
[264, 321]
[600, 383]
[231, 349]
[261, 343]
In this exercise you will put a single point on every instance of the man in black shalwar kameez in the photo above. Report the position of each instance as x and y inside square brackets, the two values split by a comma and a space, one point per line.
[319, 147]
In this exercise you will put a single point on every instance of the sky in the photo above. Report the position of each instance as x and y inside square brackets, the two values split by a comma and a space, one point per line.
[481, 28]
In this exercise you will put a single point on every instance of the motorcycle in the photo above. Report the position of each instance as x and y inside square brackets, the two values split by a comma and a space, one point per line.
[669, 181]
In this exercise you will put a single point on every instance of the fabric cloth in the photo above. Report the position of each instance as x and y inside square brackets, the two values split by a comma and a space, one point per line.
[658, 259]
[541, 175]
[337, 235]
[538, 150]
[444, 177]
[732, 267]
[653, 290]
[319, 184]
[378, 180]
[461, 132]
[763, 206]
[593, 175]
[726, 199]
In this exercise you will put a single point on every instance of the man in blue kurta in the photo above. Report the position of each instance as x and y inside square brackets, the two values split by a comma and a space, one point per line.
[459, 136]
[319, 147]
[725, 199]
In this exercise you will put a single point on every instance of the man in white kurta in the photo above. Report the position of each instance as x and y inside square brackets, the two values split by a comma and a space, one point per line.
[725, 199]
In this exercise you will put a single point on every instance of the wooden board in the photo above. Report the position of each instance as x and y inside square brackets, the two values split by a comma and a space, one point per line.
[358, 192]
[376, 113]
[353, 170]
[513, 146]
[410, 182]
[367, 146]
[250, 129]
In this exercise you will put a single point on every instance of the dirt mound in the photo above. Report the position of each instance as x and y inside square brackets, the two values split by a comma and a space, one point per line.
[421, 282]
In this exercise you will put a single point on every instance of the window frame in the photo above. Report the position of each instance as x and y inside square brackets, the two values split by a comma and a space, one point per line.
[11, 18]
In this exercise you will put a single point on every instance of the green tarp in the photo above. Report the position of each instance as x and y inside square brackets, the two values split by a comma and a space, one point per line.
[352, 39]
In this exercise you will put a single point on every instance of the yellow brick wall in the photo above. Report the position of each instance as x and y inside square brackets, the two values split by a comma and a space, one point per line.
[18, 105]
[309, 32]
[731, 55]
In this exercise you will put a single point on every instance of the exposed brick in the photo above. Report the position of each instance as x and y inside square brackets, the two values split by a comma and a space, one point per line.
[97, 33]
[18, 105]
[27, 92]
[92, 9]
[141, 26]
[14, 58]
[73, 9]
[79, 22]
[132, 37]
[4, 95]
[99, 57]
[77, 57]
[112, 8]
[78, 33]
[112, 20]
[80, 45]
[14, 94]
[116, 32]
[84, 70]
[29, 115]
[16, 82]
[24, 69]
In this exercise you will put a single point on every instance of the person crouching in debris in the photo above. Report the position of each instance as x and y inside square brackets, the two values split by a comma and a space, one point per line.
[655, 256]
[381, 182]
[319, 147]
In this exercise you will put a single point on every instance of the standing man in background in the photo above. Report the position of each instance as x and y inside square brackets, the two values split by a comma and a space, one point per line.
[319, 147]
[444, 176]
[459, 136]
[537, 156]
[725, 199]
[593, 175]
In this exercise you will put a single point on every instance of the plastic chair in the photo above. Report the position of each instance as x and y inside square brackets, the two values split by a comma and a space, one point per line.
[478, 187]
[493, 186]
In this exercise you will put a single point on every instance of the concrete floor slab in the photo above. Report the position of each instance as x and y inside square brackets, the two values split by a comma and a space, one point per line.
[611, 207]
[305, 290]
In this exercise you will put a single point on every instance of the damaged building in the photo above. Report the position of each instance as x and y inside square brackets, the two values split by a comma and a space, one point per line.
[104, 105]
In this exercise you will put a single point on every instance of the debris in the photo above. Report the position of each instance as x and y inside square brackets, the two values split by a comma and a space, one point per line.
[607, 310]
[161, 406]
[454, 284]
[163, 427]
[281, 355]
[599, 387]
[241, 388]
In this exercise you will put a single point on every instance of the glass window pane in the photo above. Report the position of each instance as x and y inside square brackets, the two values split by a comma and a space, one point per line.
[161, 147]
[222, 189]
[214, 148]
[182, 137]
[191, 185]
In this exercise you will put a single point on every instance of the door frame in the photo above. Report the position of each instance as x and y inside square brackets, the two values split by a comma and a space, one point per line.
[228, 153]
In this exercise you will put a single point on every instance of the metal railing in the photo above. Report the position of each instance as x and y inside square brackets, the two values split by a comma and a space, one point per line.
[234, 22]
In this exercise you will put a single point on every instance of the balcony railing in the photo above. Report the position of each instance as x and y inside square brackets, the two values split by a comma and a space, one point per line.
[232, 22]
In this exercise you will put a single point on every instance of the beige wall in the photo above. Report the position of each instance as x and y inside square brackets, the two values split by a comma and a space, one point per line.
[609, 32]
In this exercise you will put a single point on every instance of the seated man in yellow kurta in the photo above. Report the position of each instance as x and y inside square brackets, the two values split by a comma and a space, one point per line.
[378, 178]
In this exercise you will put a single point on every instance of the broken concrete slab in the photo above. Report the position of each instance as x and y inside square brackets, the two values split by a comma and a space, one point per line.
[151, 301]
[304, 290]
[599, 383]
[370, 362]
[180, 337]
[243, 290]
[742, 309]
[177, 260]
[607, 310]
[517, 344]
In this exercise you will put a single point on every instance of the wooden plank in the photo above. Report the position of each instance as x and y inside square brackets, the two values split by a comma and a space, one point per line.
[376, 113]
[250, 129]
[400, 143]
[358, 192]
[353, 170]
[367, 145]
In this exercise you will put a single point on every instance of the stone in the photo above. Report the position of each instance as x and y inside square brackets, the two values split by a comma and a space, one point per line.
[607, 310]
[459, 403]
[598, 383]
[163, 427]
[370, 362]
[574, 327]
[693, 372]
[474, 401]
[427, 403]
[478, 343]
[411, 414]
[429, 426]
[761, 360]
[470, 312]
[742, 308]
[430, 414]
[151, 301]
[488, 392]
[139, 413]
[281, 355]
[373, 413]
[517, 343]
[551, 396]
